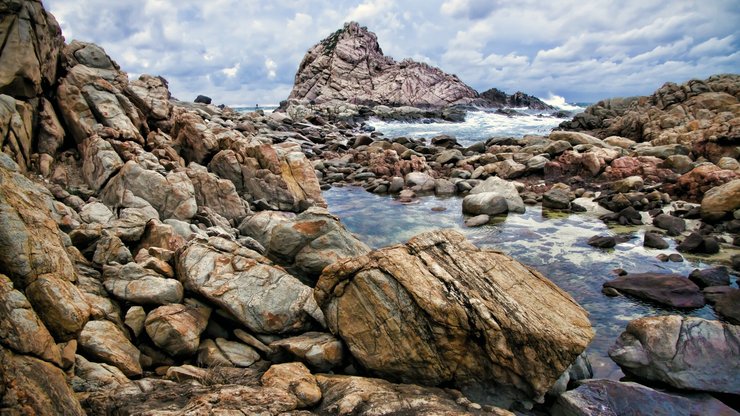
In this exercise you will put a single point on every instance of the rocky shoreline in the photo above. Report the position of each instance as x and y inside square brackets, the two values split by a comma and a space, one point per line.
[161, 257]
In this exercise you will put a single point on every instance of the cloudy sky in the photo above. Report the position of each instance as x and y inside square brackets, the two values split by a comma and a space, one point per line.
[247, 51]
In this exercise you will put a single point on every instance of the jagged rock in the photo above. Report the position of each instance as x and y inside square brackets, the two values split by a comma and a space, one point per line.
[350, 66]
[417, 310]
[227, 353]
[152, 96]
[136, 284]
[172, 196]
[313, 240]
[96, 212]
[59, 304]
[509, 169]
[666, 289]
[608, 397]
[30, 386]
[110, 249]
[91, 376]
[700, 180]
[263, 298]
[504, 189]
[497, 98]
[104, 341]
[163, 236]
[194, 140]
[176, 328]
[721, 201]
[684, 352]
[99, 162]
[32, 41]
[215, 193]
[16, 130]
[20, 327]
[320, 351]
[295, 379]
[135, 319]
[349, 395]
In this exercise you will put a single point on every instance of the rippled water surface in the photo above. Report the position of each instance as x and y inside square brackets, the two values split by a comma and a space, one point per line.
[553, 243]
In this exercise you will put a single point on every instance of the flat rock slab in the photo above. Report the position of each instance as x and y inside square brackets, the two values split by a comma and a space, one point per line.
[667, 289]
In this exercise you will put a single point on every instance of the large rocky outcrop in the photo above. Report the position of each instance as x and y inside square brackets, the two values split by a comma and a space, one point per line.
[702, 115]
[497, 98]
[31, 43]
[439, 310]
[684, 352]
[350, 66]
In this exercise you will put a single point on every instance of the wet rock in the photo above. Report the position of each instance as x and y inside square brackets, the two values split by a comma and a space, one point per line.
[683, 352]
[104, 341]
[674, 225]
[295, 379]
[34, 387]
[502, 188]
[654, 240]
[458, 302]
[348, 395]
[172, 195]
[667, 289]
[608, 397]
[720, 202]
[477, 221]
[715, 276]
[486, 203]
[713, 293]
[697, 243]
[419, 182]
[263, 298]
[600, 241]
[320, 351]
[728, 306]
[556, 198]
[176, 328]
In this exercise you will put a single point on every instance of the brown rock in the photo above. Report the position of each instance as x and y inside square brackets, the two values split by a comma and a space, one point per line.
[215, 193]
[415, 312]
[195, 141]
[60, 305]
[176, 328]
[16, 130]
[721, 201]
[318, 350]
[104, 341]
[295, 379]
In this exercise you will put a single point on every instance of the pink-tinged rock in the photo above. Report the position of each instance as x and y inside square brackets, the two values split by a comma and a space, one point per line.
[667, 289]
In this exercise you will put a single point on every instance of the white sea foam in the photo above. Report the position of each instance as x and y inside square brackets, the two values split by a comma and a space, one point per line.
[478, 126]
[559, 102]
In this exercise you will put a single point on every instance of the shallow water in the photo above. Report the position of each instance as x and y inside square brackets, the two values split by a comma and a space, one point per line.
[553, 243]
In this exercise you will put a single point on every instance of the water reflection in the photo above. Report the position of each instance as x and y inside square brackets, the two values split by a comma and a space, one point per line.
[553, 243]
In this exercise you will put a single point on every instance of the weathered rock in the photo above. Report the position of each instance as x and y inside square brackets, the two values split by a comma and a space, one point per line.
[721, 201]
[608, 397]
[348, 395]
[60, 305]
[151, 95]
[601, 241]
[419, 181]
[416, 310]
[20, 327]
[91, 376]
[715, 276]
[674, 225]
[684, 352]
[133, 283]
[217, 194]
[556, 198]
[504, 189]
[728, 306]
[320, 351]
[134, 320]
[172, 196]
[260, 225]
[697, 243]
[195, 141]
[666, 289]
[295, 379]
[313, 240]
[350, 66]
[30, 386]
[110, 249]
[263, 298]
[477, 221]
[176, 328]
[32, 41]
[104, 341]
[99, 162]
[223, 352]
[654, 240]
[16, 130]
[628, 184]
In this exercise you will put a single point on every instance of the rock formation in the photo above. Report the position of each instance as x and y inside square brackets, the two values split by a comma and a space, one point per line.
[439, 310]
[499, 99]
[349, 66]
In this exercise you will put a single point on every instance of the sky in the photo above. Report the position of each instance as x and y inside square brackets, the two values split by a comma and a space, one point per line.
[243, 52]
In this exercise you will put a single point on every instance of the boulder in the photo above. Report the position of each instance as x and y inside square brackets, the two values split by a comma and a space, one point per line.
[556, 198]
[419, 310]
[295, 379]
[666, 289]
[32, 42]
[16, 130]
[216, 194]
[34, 387]
[349, 66]
[110, 249]
[151, 96]
[654, 240]
[502, 188]
[176, 328]
[683, 352]
[419, 181]
[609, 397]
[351, 395]
[728, 306]
[99, 162]
[104, 341]
[223, 352]
[61, 306]
[91, 376]
[721, 201]
[714, 276]
[194, 140]
[320, 351]
[260, 296]
[136, 284]
[488, 203]
[173, 195]
[674, 225]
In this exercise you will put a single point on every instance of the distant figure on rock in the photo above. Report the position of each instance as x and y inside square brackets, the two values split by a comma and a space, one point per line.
[203, 99]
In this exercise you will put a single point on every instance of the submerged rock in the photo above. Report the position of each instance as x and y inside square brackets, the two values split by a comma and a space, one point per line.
[439, 310]
[667, 289]
[684, 352]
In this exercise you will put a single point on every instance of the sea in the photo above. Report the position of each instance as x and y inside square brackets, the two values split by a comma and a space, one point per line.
[554, 243]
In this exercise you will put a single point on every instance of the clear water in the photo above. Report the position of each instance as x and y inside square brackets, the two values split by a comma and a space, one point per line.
[478, 126]
[553, 243]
